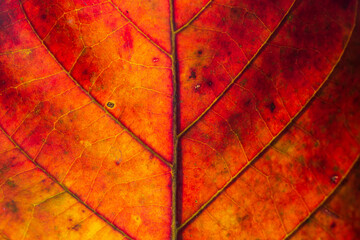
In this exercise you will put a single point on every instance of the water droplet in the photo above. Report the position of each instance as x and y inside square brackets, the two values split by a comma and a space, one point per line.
[197, 86]
[155, 60]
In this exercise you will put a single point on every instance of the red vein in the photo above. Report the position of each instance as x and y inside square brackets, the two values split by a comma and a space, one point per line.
[274, 139]
[93, 99]
[63, 186]
[256, 54]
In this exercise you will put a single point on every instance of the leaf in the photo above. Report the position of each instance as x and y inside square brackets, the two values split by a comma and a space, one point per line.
[176, 119]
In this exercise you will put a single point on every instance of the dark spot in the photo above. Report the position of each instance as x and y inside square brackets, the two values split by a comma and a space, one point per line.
[333, 225]
[11, 206]
[10, 183]
[70, 219]
[83, 211]
[85, 72]
[151, 156]
[192, 74]
[209, 83]
[241, 219]
[118, 162]
[200, 52]
[127, 12]
[334, 179]
[234, 11]
[247, 103]
[43, 16]
[155, 59]
[272, 107]
[76, 227]
[344, 3]
[110, 104]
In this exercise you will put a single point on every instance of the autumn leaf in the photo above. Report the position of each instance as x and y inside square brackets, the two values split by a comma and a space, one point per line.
[233, 119]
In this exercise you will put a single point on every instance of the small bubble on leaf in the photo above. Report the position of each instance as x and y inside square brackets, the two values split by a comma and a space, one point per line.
[155, 59]
[197, 86]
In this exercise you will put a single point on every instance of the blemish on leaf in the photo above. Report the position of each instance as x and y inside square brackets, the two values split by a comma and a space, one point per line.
[155, 59]
[197, 86]
[209, 83]
[199, 52]
[335, 179]
[10, 183]
[192, 74]
[76, 227]
[110, 104]
[272, 107]
[117, 162]
[12, 206]
[333, 225]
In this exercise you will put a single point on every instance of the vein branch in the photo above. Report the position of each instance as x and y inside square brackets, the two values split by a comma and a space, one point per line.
[273, 140]
[194, 17]
[250, 61]
[139, 30]
[141, 142]
[328, 197]
[63, 186]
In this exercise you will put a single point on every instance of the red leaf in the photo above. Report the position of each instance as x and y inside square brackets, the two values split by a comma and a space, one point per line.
[178, 119]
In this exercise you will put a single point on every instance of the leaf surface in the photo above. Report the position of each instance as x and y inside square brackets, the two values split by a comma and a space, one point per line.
[186, 119]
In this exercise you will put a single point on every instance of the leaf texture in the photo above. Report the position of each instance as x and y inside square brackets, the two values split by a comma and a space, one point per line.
[230, 119]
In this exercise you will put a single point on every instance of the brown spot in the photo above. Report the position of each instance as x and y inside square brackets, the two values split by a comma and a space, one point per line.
[272, 107]
[12, 206]
[118, 162]
[199, 52]
[247, 103]
[76, 227]
[192, 74]
[110, 104]
[10, 183]
[333, 225]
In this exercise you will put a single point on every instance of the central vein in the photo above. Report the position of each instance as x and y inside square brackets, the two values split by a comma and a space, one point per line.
[174, 168]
